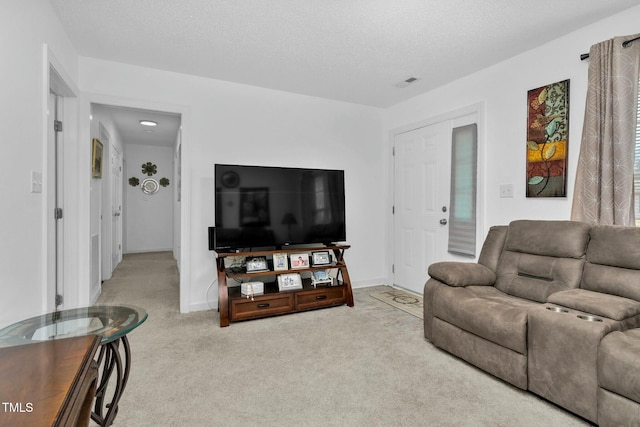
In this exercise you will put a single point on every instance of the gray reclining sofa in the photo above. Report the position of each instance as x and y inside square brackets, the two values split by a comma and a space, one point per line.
[551, 307]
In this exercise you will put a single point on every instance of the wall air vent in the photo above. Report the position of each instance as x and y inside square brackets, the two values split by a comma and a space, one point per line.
[407, 82]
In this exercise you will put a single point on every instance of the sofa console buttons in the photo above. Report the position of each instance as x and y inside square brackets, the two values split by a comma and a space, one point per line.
[589, 318]
[558, 309]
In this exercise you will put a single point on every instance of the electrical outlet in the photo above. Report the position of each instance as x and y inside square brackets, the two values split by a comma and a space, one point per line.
[506, 190]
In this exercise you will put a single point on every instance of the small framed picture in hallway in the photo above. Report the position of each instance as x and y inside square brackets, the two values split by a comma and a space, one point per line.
[96, 159]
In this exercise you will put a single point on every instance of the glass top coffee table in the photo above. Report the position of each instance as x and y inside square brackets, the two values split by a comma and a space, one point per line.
[111, 322]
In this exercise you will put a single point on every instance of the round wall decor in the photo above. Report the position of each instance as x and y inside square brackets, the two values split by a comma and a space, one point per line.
[150, 186]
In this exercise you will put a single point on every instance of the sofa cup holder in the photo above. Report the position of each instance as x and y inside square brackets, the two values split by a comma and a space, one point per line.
[557, 309]
[589, 318]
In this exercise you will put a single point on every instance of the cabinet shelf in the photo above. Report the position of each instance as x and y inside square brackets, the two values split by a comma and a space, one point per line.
[245, 275]
[233, 306]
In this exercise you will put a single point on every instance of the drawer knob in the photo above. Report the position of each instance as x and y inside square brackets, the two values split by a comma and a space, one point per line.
[263, 305]
[321, 297]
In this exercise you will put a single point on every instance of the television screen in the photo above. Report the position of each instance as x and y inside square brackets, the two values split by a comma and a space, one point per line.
[260, 206]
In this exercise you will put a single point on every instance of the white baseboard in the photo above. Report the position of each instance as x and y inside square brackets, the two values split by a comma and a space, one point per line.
[203, 306]
[368, 283]
[95, 294]
[142, 251]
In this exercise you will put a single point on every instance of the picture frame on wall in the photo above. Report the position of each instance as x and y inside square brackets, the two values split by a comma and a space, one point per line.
[547, 140]
[96, 158]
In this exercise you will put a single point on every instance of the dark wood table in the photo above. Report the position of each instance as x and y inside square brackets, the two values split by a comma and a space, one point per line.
[48, 383]
[111, 322]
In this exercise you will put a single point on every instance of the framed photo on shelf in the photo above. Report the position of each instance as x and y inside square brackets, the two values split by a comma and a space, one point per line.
[280, 262]
[258, 263]
[289, 281]
[299, 261]
[321, 277]
[320, 258]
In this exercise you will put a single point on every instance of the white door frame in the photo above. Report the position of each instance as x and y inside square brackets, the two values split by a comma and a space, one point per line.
[104, 227]
[477, 109]
[116, 207]
[185, 224]
[56, 79]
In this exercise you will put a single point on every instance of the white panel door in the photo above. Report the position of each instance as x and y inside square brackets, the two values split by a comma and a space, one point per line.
[422, 175]
[116, 207]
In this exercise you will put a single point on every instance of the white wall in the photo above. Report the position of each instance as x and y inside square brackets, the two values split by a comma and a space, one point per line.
[149, 217]
[503, 89]
[231, 123]
[101, 193]
[177, 208]
[25, 26]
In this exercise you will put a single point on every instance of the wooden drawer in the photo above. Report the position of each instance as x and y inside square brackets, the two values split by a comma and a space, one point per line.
[321, 297]
[261, 306]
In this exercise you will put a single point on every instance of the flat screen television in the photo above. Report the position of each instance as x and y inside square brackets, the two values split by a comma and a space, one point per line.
[264, 206]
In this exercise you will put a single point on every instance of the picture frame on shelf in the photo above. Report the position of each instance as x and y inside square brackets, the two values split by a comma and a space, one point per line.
[289, 281]
[257, 263]
[280, 262]
[321, 277]
[320, 258]
[300, 260]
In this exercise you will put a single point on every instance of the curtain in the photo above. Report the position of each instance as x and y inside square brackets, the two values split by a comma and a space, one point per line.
[604, 178]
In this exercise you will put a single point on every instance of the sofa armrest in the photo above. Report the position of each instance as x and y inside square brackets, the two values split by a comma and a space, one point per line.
[600, 304]
[454, 273]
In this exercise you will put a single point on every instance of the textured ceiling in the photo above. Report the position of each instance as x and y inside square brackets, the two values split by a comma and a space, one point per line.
[350, 50]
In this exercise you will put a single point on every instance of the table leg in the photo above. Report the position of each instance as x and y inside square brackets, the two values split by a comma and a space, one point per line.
[110, 352]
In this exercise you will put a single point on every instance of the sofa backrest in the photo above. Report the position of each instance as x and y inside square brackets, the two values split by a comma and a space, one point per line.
[492, 247]
[542, 257]
[613, 261]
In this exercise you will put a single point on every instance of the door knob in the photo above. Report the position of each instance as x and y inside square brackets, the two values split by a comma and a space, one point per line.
[443, 221]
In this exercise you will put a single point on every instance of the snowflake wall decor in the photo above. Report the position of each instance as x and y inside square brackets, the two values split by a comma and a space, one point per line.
[133, 181]
[164, 182]
[149, 168]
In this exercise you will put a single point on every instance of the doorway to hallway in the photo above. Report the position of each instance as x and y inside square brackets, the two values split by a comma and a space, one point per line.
[135, 206]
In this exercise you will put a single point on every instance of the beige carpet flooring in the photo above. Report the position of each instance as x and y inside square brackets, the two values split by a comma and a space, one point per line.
[363, 366]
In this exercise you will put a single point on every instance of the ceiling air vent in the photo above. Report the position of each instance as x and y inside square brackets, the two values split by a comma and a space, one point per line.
[407, 82]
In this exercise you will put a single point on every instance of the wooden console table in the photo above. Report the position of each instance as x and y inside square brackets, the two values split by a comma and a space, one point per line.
[48, 383]
[234, 306]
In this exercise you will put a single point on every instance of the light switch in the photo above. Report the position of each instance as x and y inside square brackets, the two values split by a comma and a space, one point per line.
[36, 182]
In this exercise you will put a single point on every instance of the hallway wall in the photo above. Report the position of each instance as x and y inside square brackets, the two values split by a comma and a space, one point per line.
[149, 218]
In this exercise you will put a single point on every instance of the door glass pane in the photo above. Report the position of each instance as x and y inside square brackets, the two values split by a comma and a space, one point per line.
[462, 218]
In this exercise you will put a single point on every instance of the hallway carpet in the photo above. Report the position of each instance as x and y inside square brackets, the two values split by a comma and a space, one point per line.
[368, 365]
